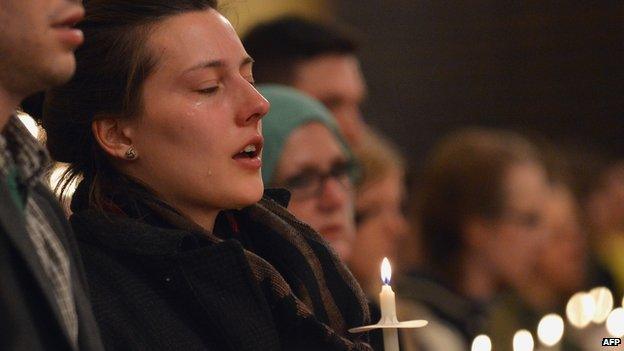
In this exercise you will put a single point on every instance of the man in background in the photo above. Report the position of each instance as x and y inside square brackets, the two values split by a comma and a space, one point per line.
[43, 304]
[319, 60]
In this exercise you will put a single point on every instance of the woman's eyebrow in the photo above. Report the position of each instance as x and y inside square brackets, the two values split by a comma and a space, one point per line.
[217, 64]
[206, 64]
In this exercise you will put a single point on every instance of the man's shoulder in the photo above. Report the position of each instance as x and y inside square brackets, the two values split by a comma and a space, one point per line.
[53, 213]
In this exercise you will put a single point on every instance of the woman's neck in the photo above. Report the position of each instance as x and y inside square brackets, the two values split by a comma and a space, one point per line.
[203, 217]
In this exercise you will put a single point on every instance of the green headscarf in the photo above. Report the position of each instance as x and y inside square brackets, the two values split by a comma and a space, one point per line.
[290, 109]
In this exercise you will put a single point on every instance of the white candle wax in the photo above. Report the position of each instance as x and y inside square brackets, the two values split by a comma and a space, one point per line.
[387, 305]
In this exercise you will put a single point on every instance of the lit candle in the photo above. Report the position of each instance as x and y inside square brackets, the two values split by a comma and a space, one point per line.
[580, 309]
[481, 343]
[550, 330]
[388, 308]
[615, 322]
[523, 341]
[603, 299]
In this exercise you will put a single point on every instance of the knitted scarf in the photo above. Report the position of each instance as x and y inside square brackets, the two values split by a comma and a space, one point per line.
[294, 265]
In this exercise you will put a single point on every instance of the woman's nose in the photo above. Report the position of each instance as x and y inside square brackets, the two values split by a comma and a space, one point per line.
[255, 106]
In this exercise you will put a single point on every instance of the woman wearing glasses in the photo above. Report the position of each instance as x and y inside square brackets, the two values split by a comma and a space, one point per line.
[161, 126]
[306, 154]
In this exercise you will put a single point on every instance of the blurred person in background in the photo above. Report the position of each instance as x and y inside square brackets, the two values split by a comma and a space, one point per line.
[481, 210]
[562, 259]
[560, 272]
[305, 153]
[604, 210]
[379, 217]
[380, 221]
[316, 58]
[43, 295]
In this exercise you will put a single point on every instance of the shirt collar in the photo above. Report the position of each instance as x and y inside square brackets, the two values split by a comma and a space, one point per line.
[18, 148]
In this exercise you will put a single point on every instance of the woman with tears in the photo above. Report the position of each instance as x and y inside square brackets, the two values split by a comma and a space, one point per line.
[162, 126]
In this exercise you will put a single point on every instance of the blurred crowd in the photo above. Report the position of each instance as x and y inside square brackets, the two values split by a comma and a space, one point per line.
[495, 231]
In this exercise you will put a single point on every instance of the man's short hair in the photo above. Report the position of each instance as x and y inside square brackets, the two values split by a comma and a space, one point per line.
[279, 45]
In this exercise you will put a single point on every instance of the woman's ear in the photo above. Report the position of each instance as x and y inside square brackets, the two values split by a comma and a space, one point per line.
[114, 137]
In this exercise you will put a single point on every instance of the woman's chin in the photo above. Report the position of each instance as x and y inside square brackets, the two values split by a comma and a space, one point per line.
[248, 195]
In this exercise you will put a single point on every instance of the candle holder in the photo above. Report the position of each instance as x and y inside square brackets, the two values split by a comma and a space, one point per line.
[391, 324]
[390, 328]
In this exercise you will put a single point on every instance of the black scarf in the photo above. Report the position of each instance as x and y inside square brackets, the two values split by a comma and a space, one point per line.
[302, 275]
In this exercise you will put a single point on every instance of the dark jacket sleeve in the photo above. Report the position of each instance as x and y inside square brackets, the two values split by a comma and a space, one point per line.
[88, 334]
[18, 328]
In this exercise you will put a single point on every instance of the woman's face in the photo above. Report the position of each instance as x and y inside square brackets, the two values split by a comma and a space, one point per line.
[521, 230]
[315, 169]
[381, 225]
[562, 261]
[200, 112]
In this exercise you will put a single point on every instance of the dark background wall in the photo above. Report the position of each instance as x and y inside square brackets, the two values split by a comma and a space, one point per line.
[548, 68]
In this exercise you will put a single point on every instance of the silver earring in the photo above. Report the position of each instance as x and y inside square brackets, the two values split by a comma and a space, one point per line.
[131, 153]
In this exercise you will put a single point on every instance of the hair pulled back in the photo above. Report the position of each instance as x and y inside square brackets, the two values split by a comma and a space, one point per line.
[111, 67]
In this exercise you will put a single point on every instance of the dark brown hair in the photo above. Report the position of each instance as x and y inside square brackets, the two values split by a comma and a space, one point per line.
[112, 65]
[463, 179]
[279, 45]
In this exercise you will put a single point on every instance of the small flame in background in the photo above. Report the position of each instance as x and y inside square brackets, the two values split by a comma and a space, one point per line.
[386, 271]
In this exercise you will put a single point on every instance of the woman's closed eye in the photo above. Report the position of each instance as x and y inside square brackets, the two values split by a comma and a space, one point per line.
[209, 90]
[214, 88]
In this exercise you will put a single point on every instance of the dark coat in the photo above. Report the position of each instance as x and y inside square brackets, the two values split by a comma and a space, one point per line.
[29, 317]
[154, 287]
[452, 316]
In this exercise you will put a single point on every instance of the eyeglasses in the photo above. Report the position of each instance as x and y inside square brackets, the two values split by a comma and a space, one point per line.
[524, 219]
[310, 182]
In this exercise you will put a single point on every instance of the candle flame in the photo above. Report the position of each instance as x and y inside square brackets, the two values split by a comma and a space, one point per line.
[482, 343]
[550, 329]
[523, 341]
[603, 299]
[580, 309]
[386, 271]
[615, 322]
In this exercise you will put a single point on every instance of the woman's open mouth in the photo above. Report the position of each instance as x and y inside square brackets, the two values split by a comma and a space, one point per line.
[250, 151]
[249, 156]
